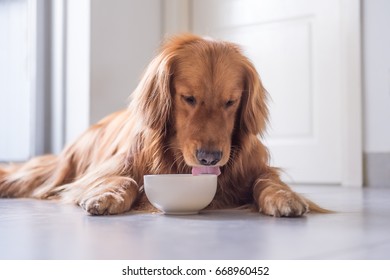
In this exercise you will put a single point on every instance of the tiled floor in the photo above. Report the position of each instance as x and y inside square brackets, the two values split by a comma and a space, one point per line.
[31, 229]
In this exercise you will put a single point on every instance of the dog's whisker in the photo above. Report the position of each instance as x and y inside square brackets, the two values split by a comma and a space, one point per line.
[178, 161]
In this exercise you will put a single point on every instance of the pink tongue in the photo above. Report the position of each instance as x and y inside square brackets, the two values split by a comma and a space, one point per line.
[206, 170]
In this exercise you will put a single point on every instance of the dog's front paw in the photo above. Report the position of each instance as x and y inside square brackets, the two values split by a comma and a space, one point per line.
[106, 204]
[108, 200]
[282, 203]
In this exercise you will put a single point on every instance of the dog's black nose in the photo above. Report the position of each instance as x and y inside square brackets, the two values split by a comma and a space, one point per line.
[208, 157]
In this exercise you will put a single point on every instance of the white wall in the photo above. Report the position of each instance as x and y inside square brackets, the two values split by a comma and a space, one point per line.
[77, 78]
[376, 65]
[109, 44]
[124, 37]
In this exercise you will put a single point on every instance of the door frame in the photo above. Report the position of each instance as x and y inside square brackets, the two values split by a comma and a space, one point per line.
[39, 73]
[177, 18]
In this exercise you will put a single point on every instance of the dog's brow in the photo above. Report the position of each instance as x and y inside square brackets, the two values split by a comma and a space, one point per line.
[185, 85]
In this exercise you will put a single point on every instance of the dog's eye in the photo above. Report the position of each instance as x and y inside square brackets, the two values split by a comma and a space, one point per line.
[229, 103]
[189, 100]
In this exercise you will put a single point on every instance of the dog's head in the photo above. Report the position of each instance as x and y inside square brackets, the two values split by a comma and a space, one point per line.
[202, 93]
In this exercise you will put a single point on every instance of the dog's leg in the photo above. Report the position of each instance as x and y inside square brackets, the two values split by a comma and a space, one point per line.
[105, 196]
[275, 198]
[113, 195]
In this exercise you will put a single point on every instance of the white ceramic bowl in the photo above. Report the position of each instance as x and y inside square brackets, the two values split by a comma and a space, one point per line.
[180, 193]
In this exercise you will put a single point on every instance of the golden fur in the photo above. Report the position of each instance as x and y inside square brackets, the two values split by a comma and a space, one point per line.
[196, 95]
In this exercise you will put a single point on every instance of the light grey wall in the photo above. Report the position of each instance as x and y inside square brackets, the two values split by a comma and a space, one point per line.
[124, 37]
[108, 45]
[376, 65]
[376, 85]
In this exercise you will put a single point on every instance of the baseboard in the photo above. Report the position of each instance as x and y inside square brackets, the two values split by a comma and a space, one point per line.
[377, 169]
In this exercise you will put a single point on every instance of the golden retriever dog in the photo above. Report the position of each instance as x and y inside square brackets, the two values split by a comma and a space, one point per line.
[200, 107]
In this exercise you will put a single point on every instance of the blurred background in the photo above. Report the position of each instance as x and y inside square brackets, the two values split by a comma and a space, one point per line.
[65, 64]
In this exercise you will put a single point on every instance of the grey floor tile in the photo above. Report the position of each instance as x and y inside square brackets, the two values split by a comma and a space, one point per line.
[360, 229]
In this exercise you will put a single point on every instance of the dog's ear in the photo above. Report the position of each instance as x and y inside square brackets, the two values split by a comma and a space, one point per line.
[152, 98]
[254, 111]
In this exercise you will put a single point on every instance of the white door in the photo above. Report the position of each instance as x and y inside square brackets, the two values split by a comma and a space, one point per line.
[297, 48]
